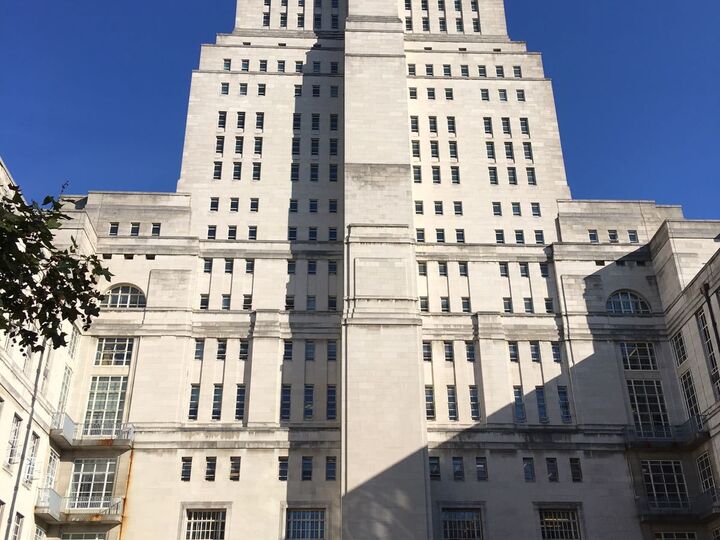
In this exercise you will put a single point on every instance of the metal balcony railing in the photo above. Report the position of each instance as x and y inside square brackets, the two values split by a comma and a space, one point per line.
[71, 431]
[701, 507]
[97, 504]
[695, 429]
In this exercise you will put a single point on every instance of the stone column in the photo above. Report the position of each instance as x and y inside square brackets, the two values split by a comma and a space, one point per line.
[383, 426]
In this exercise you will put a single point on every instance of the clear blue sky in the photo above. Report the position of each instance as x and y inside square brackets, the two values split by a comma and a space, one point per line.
[95, 92]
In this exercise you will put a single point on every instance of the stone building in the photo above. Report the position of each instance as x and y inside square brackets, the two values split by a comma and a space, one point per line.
[410, 332]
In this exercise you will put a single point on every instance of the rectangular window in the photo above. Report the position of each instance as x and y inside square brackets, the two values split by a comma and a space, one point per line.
[331, 403]
[330, 468]
[307, 468]
[469, 351]
[429, 402]
[576, 470]
[194, 402]
[217, 401]
[105, 406]
[114, 351]
[434, 467]
[691, 403]
[541, 404]
[678, 347]
[92, 483]
[304, 524]
[519, 405]
[552, 469]
[285, 394]
[529, 469]
[535, 354]
[234, 468]
[514, 351]
[461, 523]
[221, 349]
[564, 402]
[705, 473]
[474, 403]
[708, 348]
[638, 356]
[561, 524]
[185, 469]
[283, 469]
[240, 402]
[202, 524]
[308, 402]
[648, 408]
[458, 466]
[664, 484]
[449, 351]
[210, 468]
[452, 403]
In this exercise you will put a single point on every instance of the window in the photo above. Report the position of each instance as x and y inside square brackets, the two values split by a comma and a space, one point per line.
[307, 468]
[445, 304]
[708, 347]
[123, 297]
[240, 402]
[308, 402]
[552, 469]
[705, 473]
[92, 482]
[247, 302]
[576, 470]
[507, 305]
[424, 306]
[285, 394]
[633, 237]
[564, 402]
[204, 301]
[13, 440]
[17, 526]
[506, 128]
[225, 302]
[519, 405]
[520, 95]
[452, 403]
[331, 403]
[460, 523]
[232, 232]
[535, 351]
[638, 356]
[105, 406]
[217, 402]
[114, 351]
[210, 468]
[513, 350]
[309, 350]
[205, 524]
[330, 468]
[448, 351]
[434, 467]
[502, 95]
[560, 524]
[429, 402]
[528, 305]
[304, 523]
[458, 466]
[627, 303]
[648, 407]
[185, 469]
[241, 122]
[493, 175]
[664, 484]
[549, 305]
[529, 469]
[541, 405]
[556, 353]
[474, 403]
[519, 237]
[690, 397]
[490, 150]
[469, 351]
[222, 119]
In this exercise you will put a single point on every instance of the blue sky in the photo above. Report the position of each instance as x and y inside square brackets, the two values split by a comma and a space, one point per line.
[95, 93]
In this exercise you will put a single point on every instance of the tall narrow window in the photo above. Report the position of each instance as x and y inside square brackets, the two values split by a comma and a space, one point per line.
[429, 402]
[452, 403]
[285, 393]
[331, 403]
[240, 402]
[217, 402]
[194, 402]
[105, 406]
[474, 403]
[308, 402]
[564, 401]
[541, 404]
[519, 405]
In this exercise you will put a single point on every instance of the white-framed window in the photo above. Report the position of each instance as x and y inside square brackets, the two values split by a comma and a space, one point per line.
[627, 303]
[638, 356]
[304, 523]
[560, 524]
[461, 524]
[705, 472]
[31, 459]
[51, 470]
[17, 526]
[678, 346]
[92, 483]
[84, 536]
[648, 407]
[105, 406]
[13, 440]
[205, 524]
[664, 483]
[114, 351]
[123, 297]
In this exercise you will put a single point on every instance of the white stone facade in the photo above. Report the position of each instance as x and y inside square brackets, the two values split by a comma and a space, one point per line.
[353, 321]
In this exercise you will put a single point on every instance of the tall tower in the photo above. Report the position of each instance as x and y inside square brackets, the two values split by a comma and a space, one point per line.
[371, 311]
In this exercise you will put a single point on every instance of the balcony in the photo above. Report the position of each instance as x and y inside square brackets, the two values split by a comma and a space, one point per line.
[52, 508]
[66, 433]
[701, 508]
[684, 436]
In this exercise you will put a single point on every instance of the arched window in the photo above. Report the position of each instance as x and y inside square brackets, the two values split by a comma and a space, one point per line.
[124, 297]
[627, 303]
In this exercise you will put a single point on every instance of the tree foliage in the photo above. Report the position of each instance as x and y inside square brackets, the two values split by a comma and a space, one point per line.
[42, 287]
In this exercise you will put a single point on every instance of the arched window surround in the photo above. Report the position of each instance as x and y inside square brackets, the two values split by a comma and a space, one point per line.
[627, 302]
